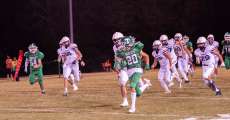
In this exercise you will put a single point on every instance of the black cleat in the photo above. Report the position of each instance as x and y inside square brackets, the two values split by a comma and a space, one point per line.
[186, 81]
[43, 92]
[65, 94]
[218, 93]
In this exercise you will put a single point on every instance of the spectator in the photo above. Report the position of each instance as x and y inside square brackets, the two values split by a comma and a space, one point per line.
[14, 64]
[8, 63]
[107, 66]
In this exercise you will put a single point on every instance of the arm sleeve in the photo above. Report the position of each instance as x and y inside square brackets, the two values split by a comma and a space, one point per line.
[139, 46]
[41, 55]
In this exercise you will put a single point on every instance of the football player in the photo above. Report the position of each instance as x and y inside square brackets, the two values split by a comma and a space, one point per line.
[33, 58]
[182, 54]
[211, 42]
[226, 50]
[162, 55]
[130, 52]
[71, 56]
[206, 55]
[169, 45]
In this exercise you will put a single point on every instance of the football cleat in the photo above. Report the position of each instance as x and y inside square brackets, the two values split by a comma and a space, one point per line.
[218, 93]
[124, 104]
[65, 94]
[132, 110]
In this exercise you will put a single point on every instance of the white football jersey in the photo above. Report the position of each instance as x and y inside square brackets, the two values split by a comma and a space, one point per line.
[170, 48]
[206, 57]
[215, 44]
[59, 52]
[178, 50]
[115, 49]
[159, 55]
[69, 53]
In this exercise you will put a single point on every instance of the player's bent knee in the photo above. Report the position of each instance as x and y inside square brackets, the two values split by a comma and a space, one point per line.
[132, 90]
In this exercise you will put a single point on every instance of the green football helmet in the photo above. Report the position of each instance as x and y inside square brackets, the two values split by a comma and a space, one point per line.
[128, 42]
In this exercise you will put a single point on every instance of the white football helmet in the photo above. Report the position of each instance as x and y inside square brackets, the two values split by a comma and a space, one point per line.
[201, 40]
[33, 48]
[157, 44]
[178, 36]
[163, 37]
[117, 35]
[64, 39]
[210, 38]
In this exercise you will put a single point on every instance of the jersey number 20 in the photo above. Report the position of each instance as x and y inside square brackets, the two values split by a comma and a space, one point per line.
[132, 59]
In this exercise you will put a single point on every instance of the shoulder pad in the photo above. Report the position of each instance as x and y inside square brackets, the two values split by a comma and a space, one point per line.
[73, 45]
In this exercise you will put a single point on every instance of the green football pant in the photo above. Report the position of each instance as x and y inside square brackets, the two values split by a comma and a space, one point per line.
[227, 62]
[36, 73]
[134, 80]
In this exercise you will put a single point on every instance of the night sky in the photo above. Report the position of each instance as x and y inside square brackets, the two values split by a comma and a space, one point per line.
[44, 22]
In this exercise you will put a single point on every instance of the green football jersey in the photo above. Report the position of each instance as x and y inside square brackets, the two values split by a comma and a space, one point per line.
[132, 56]
[226, 48]
[33, 58]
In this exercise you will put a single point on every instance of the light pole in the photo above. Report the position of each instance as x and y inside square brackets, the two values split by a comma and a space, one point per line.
[71, 21]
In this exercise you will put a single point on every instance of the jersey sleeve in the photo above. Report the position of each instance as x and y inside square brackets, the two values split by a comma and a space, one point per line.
[40, 55]
[216, 44]
[197, 53]
[119, 54]
[114, 49]
[139, 46]
[59, 51]
[154, 54]
[26, 55]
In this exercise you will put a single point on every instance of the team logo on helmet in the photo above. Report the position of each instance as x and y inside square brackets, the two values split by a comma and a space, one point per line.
[128, 42]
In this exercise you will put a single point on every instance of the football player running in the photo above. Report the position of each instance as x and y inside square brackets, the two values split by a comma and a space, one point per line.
[182, 54]
[71, 56]
[162, 55]
[189, 46]
[120, 67]
[212, 43]
[206, 55]
[130, 52]
[169, 45]
[226, 50]
[61, 61]
[34, 60]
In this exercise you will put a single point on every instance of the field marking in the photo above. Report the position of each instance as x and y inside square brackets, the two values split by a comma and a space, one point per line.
[174, 97]
[189, 97]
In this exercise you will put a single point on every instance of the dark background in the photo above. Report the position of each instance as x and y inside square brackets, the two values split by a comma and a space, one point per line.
[46, 21]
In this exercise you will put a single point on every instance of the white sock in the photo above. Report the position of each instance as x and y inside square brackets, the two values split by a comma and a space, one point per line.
[65, 90]
[125, 100]
[133, 100]
[164, 85]
[72, 78]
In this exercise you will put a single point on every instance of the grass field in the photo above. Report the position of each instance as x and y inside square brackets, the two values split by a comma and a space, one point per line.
[98, 98]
